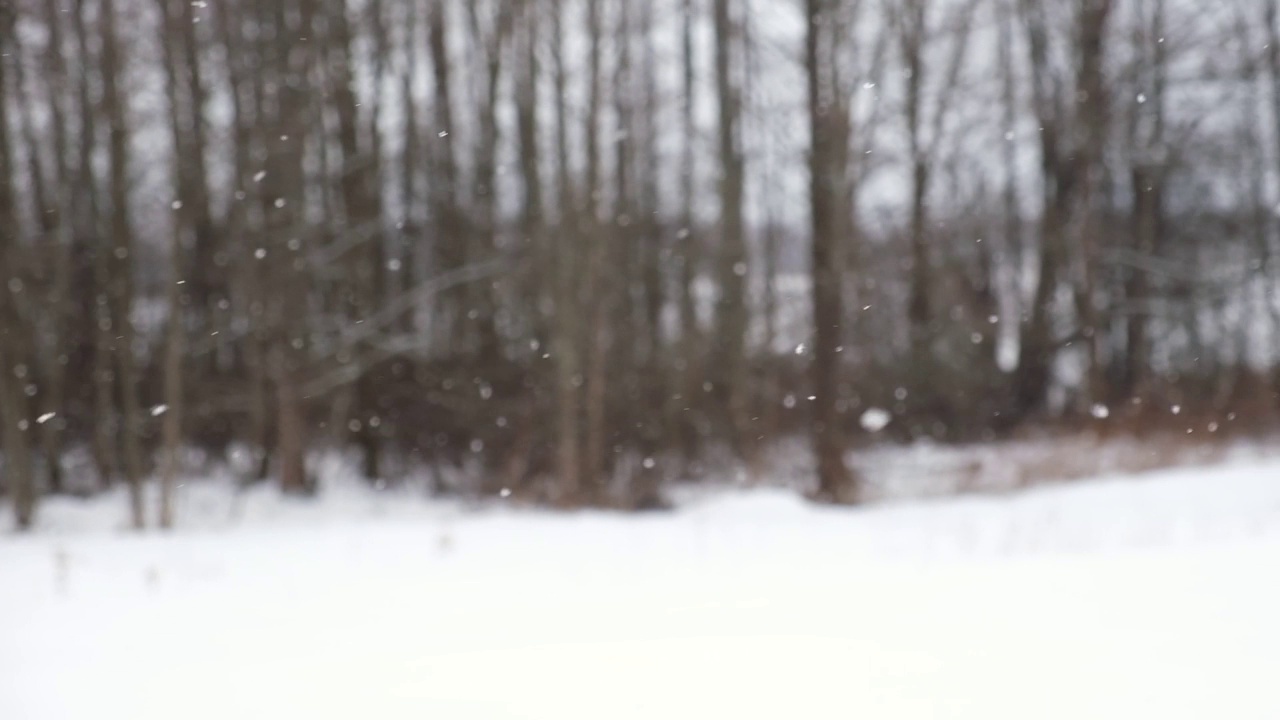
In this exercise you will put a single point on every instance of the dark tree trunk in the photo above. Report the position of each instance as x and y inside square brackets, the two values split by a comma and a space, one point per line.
[829, 140]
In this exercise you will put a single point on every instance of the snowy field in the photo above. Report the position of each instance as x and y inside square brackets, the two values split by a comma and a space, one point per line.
[1144, 597]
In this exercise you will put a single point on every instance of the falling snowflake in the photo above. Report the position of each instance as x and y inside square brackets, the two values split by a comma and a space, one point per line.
[875, 419]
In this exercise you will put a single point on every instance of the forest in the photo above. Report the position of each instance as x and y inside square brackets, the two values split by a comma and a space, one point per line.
[573, 250]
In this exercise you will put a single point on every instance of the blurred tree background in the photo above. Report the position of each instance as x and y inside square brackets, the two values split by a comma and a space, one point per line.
[575, 247]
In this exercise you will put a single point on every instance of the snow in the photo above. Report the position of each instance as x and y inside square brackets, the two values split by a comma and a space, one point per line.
[1120, 597]
[875, 419]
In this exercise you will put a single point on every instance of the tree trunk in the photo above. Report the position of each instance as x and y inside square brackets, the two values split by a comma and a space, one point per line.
[283, 194]
[18, 478]
[89, 226]
[541, 287]
[450, 241]
[828, 131]
[290, 433]
[597, 292]
[731, 310]
[1272, 19]
[565, 345]
[175, 346]
[60, 298]
[1091, 99]
[186, 219]
[121, 262]
[13, 412]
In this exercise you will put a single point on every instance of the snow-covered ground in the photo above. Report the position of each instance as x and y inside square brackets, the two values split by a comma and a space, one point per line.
[1151, 597]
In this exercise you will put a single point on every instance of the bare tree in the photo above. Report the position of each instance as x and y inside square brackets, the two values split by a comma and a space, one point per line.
[685, 404]
[1146, 135]
[830, 216]
[13, 412]
[60, 220]
[598, 293]
[120, 265]
[90, 227]
[450, 250]
[1072, 113]
[732, 268]
[565, 345]
[283, 187]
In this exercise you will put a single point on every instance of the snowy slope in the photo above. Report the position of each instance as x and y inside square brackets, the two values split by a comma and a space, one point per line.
[1120, 598]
